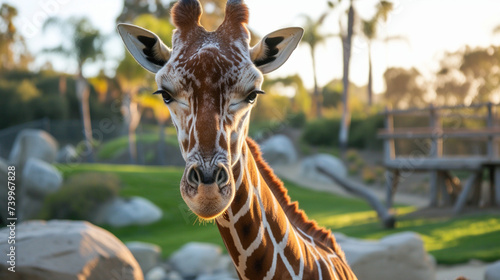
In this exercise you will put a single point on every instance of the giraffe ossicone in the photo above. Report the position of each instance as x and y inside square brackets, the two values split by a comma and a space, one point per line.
[210, 81]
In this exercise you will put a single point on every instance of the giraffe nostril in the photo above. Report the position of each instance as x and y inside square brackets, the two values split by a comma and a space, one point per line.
[222, 177]
[193, 177]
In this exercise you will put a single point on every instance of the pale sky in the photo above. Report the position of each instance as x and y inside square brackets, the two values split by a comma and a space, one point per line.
[431, 27]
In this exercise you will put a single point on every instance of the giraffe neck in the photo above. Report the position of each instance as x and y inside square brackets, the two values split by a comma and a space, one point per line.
[263, 241]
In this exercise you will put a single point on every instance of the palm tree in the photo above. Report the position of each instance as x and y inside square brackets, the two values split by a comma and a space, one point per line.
[132, 78]
[84, 45]
[313, 37]
[346, 35]
[370, 33]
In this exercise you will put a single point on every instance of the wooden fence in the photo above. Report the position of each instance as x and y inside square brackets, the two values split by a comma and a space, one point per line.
[445, 188]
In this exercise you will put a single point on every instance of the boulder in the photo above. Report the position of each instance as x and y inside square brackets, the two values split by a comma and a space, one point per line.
[67, 154]
[40, 178]
[279, 149]
[120, 212]
[33, 143]
[330, 163]
[390, 258]
[57, 250]
[147, 254]
[492, 271]
[195, 259]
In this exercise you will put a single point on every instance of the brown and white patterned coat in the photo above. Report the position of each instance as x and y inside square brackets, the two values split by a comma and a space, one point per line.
[210, 82]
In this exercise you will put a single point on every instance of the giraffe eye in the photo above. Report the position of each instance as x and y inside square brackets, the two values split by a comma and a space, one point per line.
[252, 96]
[167, 97]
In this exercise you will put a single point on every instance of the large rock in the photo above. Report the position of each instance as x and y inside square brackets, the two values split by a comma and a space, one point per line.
[33, 143]
[58, 250]
[390, 258]
[120, 212]
[278, 149]
[195, 259]
[147, 255]
[492, 271]
[330, 163]
[40, 178]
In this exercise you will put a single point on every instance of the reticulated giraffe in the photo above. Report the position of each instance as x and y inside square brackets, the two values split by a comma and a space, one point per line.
[210, 81]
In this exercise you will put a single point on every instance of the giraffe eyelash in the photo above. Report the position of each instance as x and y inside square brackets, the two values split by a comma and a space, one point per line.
[167, 96]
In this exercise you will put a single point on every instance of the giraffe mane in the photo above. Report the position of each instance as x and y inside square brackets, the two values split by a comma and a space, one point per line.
[296, 216]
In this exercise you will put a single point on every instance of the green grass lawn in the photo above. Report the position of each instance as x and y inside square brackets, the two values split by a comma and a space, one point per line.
[449, 240]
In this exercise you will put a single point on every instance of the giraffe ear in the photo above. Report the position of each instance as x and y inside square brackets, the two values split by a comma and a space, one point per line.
[275, 48]
[145, 46]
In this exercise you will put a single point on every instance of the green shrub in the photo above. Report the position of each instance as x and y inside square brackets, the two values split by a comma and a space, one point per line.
[352, 156]
[297, 120]
[369, 177]
[362, 132]
[322, 132]
[80, 196]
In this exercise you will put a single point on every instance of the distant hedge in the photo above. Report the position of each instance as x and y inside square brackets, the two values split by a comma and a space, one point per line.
[362, 132]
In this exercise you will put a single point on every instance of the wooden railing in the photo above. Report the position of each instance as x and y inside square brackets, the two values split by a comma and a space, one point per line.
[444, 187]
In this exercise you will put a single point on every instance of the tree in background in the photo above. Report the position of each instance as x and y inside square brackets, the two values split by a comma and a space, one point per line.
[313, 37]
[13, 51]
[162, 115]
[132, 78]
[405, 88]
[134, 8]
[346, 35]
[84, 44]
[370, 33]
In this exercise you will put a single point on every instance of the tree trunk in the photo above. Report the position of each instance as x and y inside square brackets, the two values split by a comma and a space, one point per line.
[132, 119]
[83, 92]
[161, 143]
[317, 98]
[370, 76]
[346, 116]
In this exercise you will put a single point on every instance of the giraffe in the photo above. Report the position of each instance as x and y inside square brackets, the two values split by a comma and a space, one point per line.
[210, 81]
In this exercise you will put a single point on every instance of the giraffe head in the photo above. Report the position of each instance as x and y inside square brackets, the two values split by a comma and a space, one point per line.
[210, 82]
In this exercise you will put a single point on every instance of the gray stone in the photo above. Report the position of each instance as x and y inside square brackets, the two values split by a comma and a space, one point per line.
[67, 154]
[33, 143]
[218, 276]
[156, 273]
[196, 258]
[40, 178]
[279, 149]
[492, 271]
[146, 254]
[390, 258]
[57, 250]
[330, 163]
[121, 212]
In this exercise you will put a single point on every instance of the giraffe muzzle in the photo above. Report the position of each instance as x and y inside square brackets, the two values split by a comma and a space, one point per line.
[207, 191]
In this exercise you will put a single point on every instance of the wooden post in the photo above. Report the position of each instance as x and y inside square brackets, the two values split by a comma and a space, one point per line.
[490, 122]
[389, 150]
[435, 152]
[392, 180]
[462, 199]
